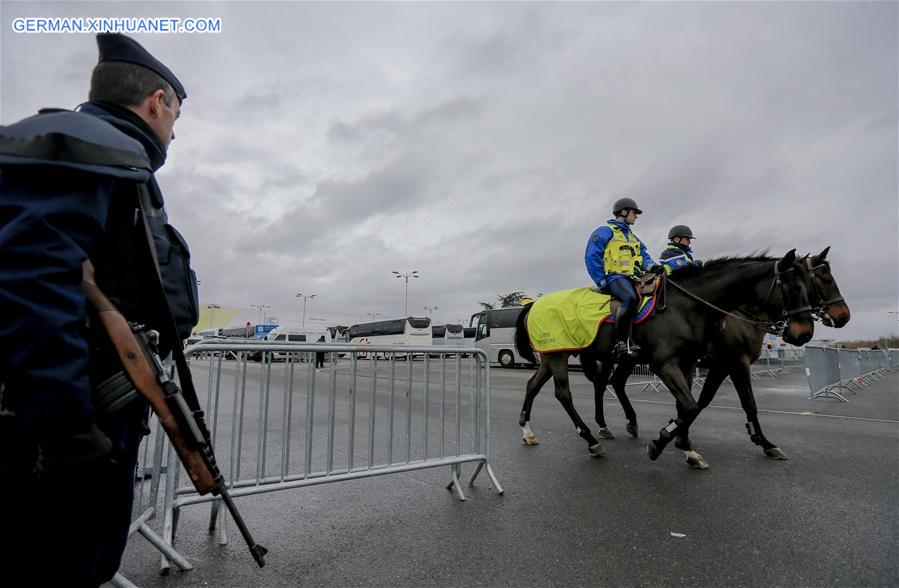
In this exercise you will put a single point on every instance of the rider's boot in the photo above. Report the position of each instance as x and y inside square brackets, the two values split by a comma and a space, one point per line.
[624, 345]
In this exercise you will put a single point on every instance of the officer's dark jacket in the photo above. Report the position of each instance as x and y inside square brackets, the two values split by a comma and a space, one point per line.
[60, 205]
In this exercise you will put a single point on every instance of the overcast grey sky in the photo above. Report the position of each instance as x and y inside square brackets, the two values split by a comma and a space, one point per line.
[324, 145]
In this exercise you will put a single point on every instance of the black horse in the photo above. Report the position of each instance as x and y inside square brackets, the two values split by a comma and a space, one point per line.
[733, 345]
[672, 341]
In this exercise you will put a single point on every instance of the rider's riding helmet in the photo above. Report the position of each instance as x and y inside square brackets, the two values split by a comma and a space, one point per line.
[623, 203]
[680, 231]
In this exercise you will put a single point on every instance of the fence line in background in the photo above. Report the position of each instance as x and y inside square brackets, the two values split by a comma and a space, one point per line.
[765, 367]
[836, 373]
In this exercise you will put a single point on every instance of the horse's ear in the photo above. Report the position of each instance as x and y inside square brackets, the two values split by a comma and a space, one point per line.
[823, 254]
[790, 257]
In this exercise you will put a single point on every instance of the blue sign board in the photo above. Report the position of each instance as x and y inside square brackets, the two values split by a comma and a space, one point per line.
[263, 330]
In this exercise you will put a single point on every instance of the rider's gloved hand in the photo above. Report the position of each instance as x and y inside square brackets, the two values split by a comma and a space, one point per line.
[658, 270]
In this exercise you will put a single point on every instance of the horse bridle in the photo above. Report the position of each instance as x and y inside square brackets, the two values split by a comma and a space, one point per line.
[818, 311]
[775, 328]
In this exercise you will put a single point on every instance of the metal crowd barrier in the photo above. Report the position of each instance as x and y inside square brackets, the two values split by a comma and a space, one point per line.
[283, 423]
[645, 378]
[835, 373]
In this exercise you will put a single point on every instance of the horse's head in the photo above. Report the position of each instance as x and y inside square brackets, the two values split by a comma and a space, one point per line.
[792, 301]
[823, 293]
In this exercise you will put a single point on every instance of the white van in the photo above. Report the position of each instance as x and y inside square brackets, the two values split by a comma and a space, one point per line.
[291, 335]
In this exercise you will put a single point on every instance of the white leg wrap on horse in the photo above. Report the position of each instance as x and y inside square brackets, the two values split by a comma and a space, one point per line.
[527, 435]
[696, 461]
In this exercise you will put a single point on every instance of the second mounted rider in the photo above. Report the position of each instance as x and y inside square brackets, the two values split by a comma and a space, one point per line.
[678, 253]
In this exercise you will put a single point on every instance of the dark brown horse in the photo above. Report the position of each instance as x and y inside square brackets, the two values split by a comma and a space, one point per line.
[674, 340]
[733, 345]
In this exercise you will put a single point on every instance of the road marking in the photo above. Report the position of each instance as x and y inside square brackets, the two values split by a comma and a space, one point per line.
[812, 414]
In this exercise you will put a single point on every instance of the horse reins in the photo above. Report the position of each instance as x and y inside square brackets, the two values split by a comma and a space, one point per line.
[775, 328]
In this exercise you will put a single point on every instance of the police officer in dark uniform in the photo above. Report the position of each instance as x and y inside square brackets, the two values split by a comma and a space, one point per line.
[678, 253]
[78, 185]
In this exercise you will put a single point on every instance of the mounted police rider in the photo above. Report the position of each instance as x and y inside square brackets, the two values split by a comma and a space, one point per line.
[77, 186]
[678, 253]
[615, 258]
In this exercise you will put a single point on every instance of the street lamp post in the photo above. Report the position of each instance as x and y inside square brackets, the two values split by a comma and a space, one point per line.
[412, 274]
[430, 309]
[212, 308]
[305, 298]
[373, 314]
[261, 308]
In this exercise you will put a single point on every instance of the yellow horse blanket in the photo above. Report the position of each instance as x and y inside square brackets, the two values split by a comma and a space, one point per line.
[569, 320]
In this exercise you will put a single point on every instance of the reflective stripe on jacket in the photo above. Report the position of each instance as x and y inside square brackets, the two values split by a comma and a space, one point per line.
[675, 257]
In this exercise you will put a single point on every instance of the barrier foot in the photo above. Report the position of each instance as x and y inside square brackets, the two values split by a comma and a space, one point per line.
[832, 394]
[499, 489]
[213, 515]
[455, 481]
[167, 550]
[475, 474]
[120, 581]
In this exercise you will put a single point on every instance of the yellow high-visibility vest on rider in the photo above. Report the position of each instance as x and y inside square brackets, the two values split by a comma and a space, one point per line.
[622, 255]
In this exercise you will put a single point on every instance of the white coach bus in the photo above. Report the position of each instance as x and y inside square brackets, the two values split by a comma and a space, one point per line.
[412, 330]
[451, 335]
[495, 335]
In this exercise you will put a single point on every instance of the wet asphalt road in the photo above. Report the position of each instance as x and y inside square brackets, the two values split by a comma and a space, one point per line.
[827, 516]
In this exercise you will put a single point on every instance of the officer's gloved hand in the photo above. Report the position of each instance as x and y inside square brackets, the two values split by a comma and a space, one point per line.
[74, 451]
[658, 270]
[698, 263]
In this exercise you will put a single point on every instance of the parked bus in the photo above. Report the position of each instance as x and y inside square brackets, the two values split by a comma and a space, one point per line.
[337, 334]
[412, 330]
[469, 336]
[495, 335]
[447, 335]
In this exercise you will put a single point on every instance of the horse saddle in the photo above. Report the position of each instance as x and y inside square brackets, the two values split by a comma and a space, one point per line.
[646, 286]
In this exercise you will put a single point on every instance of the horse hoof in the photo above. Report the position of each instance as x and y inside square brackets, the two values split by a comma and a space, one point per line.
[653, 451]
[605, 433]
[775, 453]
[597, 450]
[695, 461]
[530, 440]
[632, 429]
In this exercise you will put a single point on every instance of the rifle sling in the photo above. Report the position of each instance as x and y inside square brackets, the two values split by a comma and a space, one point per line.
[168, 326]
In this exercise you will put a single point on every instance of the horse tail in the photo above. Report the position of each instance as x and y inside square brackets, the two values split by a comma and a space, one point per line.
[522, 340]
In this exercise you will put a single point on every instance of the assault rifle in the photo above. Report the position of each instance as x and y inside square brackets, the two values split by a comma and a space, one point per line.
[185, 428]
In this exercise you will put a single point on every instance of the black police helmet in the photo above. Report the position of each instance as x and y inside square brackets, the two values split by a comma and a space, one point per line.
[623, 203]
[680, 231]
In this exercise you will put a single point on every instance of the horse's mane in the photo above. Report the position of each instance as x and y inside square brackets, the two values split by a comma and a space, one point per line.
[721, 262]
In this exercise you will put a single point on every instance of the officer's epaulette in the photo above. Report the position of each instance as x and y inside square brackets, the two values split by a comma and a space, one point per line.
[73, 140]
